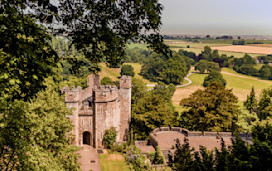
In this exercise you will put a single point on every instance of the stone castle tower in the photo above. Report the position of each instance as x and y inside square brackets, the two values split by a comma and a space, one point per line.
[98, 108]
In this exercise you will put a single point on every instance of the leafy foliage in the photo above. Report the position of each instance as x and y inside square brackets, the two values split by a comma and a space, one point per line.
[106, 81]
[35, 135]
[212, 109]
[214, 76]
[239, 156]
[109, 137]
[136, 159]
[157, 68]
[127, 70]
[265, 104]
[204, 65]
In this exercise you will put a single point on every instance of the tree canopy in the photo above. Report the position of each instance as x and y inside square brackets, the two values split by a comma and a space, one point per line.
[127, 70]
[212, 109]
[214, 76]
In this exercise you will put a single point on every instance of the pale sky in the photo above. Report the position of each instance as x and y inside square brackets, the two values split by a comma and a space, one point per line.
[243, 17]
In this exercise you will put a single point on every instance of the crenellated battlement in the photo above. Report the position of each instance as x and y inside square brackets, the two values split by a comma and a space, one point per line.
[125, 82]
[73, 94]
[105, 93]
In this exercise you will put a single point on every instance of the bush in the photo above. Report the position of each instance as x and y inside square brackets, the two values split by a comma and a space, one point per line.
[106, 81]
[136, 159]
[109, 137]
[157, 156]
[127, 70]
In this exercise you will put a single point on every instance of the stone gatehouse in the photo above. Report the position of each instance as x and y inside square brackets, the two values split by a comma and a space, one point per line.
[98, 108]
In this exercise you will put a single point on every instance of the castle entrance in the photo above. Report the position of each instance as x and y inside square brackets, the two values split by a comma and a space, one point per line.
[86, 138]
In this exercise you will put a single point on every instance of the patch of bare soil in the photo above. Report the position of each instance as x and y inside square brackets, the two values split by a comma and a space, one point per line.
[245, 49]
[115, 157]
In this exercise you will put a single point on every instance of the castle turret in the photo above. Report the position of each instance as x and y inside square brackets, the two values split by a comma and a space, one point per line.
[125, 106]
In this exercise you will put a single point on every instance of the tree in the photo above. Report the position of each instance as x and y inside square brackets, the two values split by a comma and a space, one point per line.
[109, 137]
[266, 72]
[138, 90]
[106, 81]
[150, 112]
[214, 76]
[265, 104]
[212, 109]
[127, 70]
[36, 135]
[251, 102]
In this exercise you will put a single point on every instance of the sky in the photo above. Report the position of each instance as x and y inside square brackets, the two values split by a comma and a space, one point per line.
[217, 17]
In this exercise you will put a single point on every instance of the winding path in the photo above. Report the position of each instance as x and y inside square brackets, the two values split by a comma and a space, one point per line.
[178, 86]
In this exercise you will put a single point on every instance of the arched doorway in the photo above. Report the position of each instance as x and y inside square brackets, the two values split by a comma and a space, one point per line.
[86, 138]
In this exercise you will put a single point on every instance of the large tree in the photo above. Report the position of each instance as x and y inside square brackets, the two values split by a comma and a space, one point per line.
[212, 109]
[35, 135]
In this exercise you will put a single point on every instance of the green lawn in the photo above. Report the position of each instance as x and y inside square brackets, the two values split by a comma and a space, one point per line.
[239, 83]
[112, 165]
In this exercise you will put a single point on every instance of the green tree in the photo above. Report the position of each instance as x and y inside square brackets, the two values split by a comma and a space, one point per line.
[138, 90]
[127, 70]
[150, 112]
[174, 70]
[212, 109]
[251, 102]
[109, 137]
[265, 72]
[106, 81]
[36, 135]
[265, 104]
[214, 76]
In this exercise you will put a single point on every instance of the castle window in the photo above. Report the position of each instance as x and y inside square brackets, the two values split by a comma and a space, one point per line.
[82, 120]
[90, 122]
[90, 104]
[101, 111]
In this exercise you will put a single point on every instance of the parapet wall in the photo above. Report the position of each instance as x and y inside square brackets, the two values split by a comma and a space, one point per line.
[105, 93]
[187, 133]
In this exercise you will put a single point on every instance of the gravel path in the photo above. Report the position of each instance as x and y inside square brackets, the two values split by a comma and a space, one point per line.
[178, 86]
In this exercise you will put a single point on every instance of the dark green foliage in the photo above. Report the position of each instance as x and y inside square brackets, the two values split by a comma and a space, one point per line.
[172, 70]
[265, 104]
[138, 90]
[238, 42]
[214, 76]
[109, 137]
[204, 65]
[239, 156]
[151, 111]
[183, 157]
[157, 156]
[127, 70]
[36, 135]
[106, 81]
[266, 72]
[164, 91]
[137, 55]
[251, 102]
[26, 58]
[212, 109]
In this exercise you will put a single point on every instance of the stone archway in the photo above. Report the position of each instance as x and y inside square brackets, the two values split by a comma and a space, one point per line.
[86, 138]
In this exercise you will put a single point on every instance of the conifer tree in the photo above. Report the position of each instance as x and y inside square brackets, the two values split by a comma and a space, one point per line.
[251, 102]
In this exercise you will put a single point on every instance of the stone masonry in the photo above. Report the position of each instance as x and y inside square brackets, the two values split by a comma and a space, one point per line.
[98, 108]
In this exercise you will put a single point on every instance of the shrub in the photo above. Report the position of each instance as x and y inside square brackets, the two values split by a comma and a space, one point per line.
[157, 156]
[109, 137]
[136, 159]
[106, 81]
[127, 70]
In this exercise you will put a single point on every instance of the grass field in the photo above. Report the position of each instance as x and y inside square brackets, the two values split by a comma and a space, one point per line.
[197, 48]
[113, 162]
[240, 84]
[114, 73]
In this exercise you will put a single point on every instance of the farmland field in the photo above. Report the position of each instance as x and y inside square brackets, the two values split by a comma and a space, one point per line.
[240, 84]
[244, 49]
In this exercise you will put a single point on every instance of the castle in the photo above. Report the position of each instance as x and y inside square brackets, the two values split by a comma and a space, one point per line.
[98, 108]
